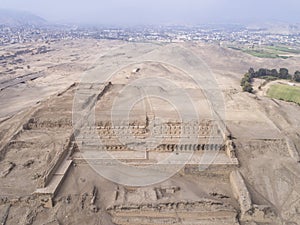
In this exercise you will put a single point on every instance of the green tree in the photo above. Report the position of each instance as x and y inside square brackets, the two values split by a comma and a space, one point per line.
[248, 87]
[284, 73]
[297, 76]
[274, 73]
[261, 72]
[243, 81]
[247, 78]
[251, 71]
[268, 72]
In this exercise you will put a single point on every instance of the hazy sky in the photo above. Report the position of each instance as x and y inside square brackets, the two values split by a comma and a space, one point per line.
[160, 11]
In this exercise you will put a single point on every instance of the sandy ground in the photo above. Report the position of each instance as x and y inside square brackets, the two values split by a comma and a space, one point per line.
[258, 125]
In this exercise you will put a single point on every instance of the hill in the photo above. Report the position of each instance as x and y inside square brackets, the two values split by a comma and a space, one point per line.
[19, 18]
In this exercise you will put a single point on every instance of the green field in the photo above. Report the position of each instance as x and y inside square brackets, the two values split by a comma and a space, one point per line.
[284, 49]
[285, 92]
[272, 52]
[264, 54]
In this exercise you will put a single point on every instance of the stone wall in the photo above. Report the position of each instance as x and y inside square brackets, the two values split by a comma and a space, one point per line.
[56, 162]
[183, 212]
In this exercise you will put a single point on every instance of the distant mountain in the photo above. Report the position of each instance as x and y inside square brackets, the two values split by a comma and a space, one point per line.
[19, 18]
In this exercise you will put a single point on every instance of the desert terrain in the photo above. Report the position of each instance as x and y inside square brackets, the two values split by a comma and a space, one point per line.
[111, 132]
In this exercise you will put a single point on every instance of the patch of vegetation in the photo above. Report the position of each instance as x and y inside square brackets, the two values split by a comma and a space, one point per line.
[269, 78]
[246, 83]
[285, 93]
[272, 52]
[268, 75]
[297, 76]
[284, 49]
[264, 54]
[234, 48]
